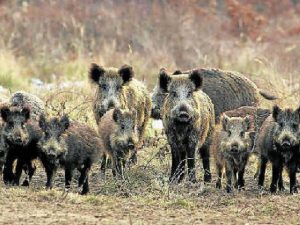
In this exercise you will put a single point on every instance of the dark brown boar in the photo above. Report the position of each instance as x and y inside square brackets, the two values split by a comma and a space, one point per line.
[278, 142]
[20, 136]
[71, 145]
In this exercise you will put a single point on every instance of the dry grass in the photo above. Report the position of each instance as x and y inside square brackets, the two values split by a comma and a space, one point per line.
[56, 41]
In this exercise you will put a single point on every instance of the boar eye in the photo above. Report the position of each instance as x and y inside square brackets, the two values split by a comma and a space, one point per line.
[242, 134]
[173, 94]
[122, 127]
[295, 126]
[189, 94]
[23, 125]
[119, 88]
[281, 124]
[10, 124]
[229, 133]
[104, 87]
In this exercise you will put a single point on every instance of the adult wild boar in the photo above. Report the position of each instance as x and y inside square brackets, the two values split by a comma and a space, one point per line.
[227, 90]
[117, 88]
[278, 142]
[189, 120]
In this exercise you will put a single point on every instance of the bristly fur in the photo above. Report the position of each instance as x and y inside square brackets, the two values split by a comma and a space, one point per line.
[232, 144]
[188, 118]
[119, 134]
[227, 90]
[278, 142]
[112, 92]
[20, 135]
[71, 145]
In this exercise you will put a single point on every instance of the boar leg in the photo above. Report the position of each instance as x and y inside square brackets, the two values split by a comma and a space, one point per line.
[191, 165]
[235, 178]
[219, 169]
[175, 164]
[68, 177]
[275, 176]
[103, 165]
[19, 169]
[280, 180]
[50, 172]
[83, 179]
[118, 170]
[8, 176]
[292, 174]
[180, 171]
[29, 170]
[262, 171]
[229, 174]
[204, 153]
[241, 180]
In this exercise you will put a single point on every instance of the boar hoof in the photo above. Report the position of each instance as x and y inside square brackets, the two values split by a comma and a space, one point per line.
[228, 189]
[207, 177]
[25, 183]
[273, 188]
[218, 185]
[294, 190]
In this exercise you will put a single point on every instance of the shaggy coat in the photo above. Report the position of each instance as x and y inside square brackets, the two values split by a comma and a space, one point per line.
[189, 120]
[232, 145]
[71, 145]
[278, 142]
[118, 131]
[227, 90]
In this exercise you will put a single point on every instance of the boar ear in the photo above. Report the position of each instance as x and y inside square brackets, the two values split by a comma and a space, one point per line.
[96, 72]
[225, 121]
[42, 122]
[196, 78]
[298, 110]
[177, 72]
[247, 121]
[65, 122]
[5, 111]
[126, 72]
[26, 112]
[117, 114]
[252, 136]
[276, 111]
[164, 80]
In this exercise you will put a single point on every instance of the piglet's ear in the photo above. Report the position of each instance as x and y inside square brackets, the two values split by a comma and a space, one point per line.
[5, 111]
[164, 80]
[117, 115]
[42, 122]
[26, 112]
[177, 72]
[196, 78]
[247, 121]
[126, 72]
[276, 111]
[298, 110]
[96, 72]
[225, 120]
[65, 122]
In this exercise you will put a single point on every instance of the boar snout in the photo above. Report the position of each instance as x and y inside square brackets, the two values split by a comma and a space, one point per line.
[155, 113]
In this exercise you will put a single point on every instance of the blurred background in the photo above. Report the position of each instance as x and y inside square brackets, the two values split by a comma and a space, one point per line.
[54, 41]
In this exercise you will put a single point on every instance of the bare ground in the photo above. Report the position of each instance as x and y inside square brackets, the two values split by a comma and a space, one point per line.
[146, 198]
